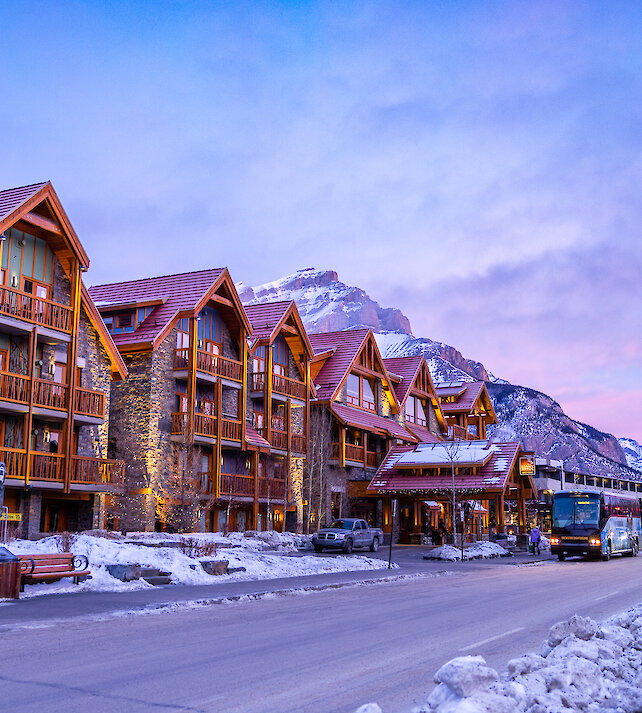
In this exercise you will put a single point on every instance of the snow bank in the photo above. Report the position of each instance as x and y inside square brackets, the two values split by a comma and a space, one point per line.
[583, 666]
[479, 550]
[264, 555]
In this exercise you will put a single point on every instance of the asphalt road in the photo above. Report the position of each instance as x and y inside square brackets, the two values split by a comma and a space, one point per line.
[320, 652]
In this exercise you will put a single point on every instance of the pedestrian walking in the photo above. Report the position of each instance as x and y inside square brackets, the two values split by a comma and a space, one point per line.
[536, 538]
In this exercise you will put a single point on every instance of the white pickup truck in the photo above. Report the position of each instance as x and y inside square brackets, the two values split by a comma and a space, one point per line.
[347, 534]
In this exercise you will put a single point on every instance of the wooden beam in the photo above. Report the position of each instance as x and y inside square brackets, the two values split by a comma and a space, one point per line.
[72, 351]
[42, 222]
[243, 391]
[268, 394]
[28, 420]
[191, 382]
[255, 468]
[222, 300]
[219, 432]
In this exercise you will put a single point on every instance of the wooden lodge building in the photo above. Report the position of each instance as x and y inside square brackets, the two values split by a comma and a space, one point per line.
[56, 363]
[467, 408]
[370, 409]
[216, 394]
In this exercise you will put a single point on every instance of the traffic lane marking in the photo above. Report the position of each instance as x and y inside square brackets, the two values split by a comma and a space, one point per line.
[606, 596]
[492, 638]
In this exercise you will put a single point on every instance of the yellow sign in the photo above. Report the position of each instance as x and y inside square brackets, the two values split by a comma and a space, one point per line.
[12, 517]
[527, 465]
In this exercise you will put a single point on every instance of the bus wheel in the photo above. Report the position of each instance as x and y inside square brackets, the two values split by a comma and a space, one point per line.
[606, 557]
[561, 556]
[636, 549]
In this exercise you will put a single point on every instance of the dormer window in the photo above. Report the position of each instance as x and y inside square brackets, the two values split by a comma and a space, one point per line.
[415, 412]
[360, 392]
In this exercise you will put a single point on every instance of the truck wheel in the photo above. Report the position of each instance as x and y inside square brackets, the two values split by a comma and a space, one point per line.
[347, 548]
[606, 557]
[318, 548]
[636, 548]
[375, 544]
[561, 556]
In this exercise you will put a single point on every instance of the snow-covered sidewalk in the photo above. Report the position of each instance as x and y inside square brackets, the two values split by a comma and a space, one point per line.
[479, 550]
[583, 666]
[264, 555]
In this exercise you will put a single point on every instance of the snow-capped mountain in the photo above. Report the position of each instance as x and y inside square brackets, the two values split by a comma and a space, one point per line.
[327, 304]
[633, 452]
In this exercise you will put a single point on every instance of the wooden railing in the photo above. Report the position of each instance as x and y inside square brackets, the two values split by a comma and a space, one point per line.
[459, 433]
[258, 381]
[299, 443]
[14, 387]
[272, 488]
[209, 363]
[14, 460]
[97, 471]
[354, 452]
[89, 403]
[374, 460]
[178, 424]
[50, 394]
[47, 466]
[36, 310]
[242, 485]
[231, 430]
[288, 387]
[280, 440]
[206, 425]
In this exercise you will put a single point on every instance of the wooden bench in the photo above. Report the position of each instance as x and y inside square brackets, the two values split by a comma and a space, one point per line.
[35, 569]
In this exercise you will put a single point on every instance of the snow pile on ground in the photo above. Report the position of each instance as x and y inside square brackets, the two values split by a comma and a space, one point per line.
[583, 666]
[264, 555]
[478, 550]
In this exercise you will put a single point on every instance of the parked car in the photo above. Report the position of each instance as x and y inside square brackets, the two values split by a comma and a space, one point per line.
[347, 534]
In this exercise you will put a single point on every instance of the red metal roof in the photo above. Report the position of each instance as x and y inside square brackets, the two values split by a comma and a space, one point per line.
[13, 198]
[265, 317]
[421, 433]
[180, 292]
[255, 441]
[407, 368]
[346, 345]
[466, 402]
[492, 476]
[369, 421]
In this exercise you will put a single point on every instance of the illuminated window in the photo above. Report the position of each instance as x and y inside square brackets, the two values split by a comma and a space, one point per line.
[415, 411]
[359, 392]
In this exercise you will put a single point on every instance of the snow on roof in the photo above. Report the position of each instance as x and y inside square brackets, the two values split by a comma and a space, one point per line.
[459, 452]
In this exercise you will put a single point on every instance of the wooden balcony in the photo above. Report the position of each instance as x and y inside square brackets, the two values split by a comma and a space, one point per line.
[288, 387]
[14, 387]
[35, 310]
[299, 443]
[279, 439]
[97, 471]
[206, 425]
[50, 467]
[271, 488]
[459, 433]
[208, 363]
[282, 385]
[50, 394]
[237, 485]
[356, 453]
[89, 403]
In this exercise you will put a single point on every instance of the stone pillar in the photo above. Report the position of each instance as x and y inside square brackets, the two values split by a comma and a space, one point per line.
[99, 512]
[32, 513]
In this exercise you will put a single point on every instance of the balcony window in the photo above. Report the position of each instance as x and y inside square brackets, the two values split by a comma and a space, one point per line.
[280, 353]
[415, 412]
[25, 255]
[359, 392]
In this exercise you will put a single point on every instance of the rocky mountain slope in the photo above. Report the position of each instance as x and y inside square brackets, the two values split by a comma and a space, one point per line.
[633, 452]
[327, 304]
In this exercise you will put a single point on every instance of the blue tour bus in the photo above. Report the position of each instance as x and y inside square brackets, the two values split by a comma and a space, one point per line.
[595, 524]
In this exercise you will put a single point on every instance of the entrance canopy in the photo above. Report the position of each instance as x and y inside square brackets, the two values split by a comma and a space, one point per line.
[480, 467]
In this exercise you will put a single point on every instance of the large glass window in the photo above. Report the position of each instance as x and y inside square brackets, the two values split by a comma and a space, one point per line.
[415, 411]
[360, 392]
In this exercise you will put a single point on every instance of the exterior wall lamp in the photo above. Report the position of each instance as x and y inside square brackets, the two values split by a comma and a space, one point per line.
[14, 280]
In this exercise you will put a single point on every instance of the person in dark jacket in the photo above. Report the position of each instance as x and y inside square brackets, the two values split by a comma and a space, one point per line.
[536, 539]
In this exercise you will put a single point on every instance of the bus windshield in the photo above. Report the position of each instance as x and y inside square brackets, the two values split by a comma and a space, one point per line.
[576, 512]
